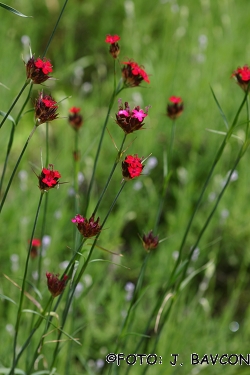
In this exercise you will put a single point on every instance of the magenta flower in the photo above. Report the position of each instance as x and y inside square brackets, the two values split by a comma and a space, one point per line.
[130, 120]
[132, 167]
[55, 285]
[175, 108]
[114, 49]
[242, 76]
[38, 70]
[88, 228]
[133, 74]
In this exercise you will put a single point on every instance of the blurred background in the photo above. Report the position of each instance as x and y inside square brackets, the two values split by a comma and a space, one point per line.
[187, 48]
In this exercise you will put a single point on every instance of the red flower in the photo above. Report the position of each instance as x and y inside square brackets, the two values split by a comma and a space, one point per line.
[55, 285]
[131, 167]
[38, 70]
[75, 119]
[130, 120]
[176, 107]
[133, 74]
[35, 244]
[242, 76]
[114, 49]
[88, 228]
[48, 178]
[112, 39]
[150, 241]
[45, 109]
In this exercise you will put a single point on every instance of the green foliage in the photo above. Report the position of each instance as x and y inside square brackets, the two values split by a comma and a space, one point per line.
[187, 48]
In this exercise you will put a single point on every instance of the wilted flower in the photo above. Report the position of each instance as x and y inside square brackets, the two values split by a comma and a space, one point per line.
[35, 244]
[75, 119]
[114, 49]
[242, 76]
[133, 74]
[130, 120]
[45, 109]
[48, 178]
[55, 285]
[38, 69]
[176, 107]
[150, 241]
[88, 228]
[131, 167]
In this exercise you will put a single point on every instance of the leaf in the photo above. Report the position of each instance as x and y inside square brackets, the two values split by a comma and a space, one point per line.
[220, 109]
[4, 371]
[9, 117]
[7, 7]
[193, 274]
[7, 298]
[108, 261]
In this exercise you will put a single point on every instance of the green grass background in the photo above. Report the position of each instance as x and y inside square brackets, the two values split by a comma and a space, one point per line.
[186, 47]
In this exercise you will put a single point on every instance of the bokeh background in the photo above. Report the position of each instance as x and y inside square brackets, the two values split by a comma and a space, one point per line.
[187, 48]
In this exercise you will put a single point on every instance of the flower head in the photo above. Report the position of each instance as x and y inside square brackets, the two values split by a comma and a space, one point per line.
[131, 167]
[130, 120]
[88, 228]
[55, 285]
[175, 108]
[75, 119]
[48, 178]
[150, 241]
[38, 69]
[114, 49]
[35, 244]
[242, 76]
[133, 74]
[45, 109]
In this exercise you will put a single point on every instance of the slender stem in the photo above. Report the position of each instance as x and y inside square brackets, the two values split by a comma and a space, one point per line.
[116, 91]
[54, 30]
[15, 169]
[66, 309]
[24, 104]
[24, 281]
[110, 175]
[14, 103]
[36, 326]
[7, 155]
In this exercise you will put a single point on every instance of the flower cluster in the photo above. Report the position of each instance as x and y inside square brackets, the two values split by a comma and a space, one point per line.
[130, 120]
[175, 108]
[75, 119]
[133, 74]
[114, 49]
[55, 285]
[45, 109]
[48, 179]
[38, 69]
[131, 167]
[150, 241]
[242, 76]
[88, 228]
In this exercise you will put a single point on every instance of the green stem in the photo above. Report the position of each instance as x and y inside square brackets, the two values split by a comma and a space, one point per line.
[14, 170]
[54, 30]
[7, 155]
[24, 281]
[111, 174]
[14, 103]
[66, 309]
[115, 92]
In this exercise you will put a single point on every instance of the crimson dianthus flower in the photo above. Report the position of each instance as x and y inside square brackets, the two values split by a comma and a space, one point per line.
[175, 108]
[130, 120]
[114, 49]
[38, 69]
[48, 179]
[133, 74]
[35, 244]
[55, 285]
[75, 119]
[150, 241]
[88, 228]
[45, 109]
[242, 76]
[132, 167]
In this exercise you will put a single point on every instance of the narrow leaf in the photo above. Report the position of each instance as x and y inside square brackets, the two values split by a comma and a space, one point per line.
[2, 296]
[7, 7]
[9, 117]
